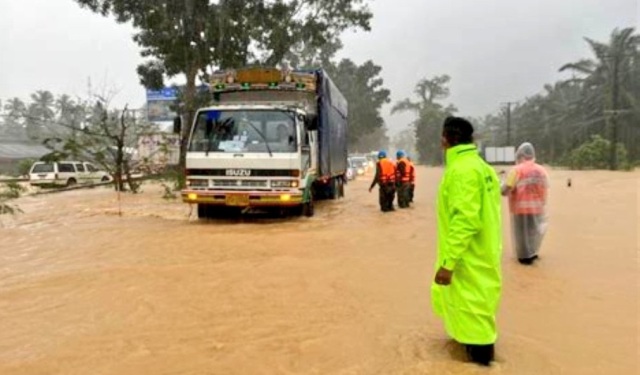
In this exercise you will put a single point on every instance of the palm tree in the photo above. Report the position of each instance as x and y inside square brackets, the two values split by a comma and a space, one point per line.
[609, 76]
[40, 113]
[15, 111]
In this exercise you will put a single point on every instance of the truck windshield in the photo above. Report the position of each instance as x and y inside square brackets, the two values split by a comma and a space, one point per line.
[269, 131]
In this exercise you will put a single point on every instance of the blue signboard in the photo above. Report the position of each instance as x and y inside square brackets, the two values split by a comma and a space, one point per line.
[159, 103]
[167, 93]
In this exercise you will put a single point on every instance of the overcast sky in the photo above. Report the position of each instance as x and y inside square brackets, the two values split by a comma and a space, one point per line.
[494, 50]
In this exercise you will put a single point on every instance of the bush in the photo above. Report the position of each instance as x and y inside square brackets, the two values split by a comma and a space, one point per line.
[594, 154]
[24, 166]
[11, 190]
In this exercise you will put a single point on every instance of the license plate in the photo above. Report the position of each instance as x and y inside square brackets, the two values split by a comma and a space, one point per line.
[237, 200]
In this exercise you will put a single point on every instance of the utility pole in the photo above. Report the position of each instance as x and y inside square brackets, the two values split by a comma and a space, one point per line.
[614, 120]
[508, 104]
[616, 61]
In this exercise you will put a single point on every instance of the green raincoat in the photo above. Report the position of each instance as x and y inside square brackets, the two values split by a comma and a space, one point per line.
[469, 244]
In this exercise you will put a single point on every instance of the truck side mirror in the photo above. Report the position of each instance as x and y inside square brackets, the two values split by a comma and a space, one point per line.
[177, 125]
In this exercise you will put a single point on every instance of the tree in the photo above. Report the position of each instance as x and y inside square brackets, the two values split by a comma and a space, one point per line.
[39, 113]
[405, 140]
[566, 115]
[363, 88]
[15, 111]
[594, 154]
[431, 114]
[191, 37]
[614, 62]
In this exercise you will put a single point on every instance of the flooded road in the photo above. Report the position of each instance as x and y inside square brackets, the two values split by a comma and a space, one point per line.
[85, 291]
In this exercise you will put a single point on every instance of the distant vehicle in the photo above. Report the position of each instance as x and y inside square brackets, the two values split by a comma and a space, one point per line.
[372, 158]
[352, 170]
[65, 173]
[361, 164]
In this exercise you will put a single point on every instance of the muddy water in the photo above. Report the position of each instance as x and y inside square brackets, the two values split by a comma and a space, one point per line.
[86, 291]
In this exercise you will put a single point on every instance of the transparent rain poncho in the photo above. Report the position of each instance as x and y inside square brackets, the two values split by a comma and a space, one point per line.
[527, 186]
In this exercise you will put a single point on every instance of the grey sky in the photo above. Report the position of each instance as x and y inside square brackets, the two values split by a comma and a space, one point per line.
[494, 50]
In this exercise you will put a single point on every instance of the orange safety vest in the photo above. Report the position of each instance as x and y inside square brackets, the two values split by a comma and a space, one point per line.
[406, 177]
[412, 176]
[387, 171]
[528, 196]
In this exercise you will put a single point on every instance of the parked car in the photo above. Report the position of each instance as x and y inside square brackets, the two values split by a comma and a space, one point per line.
[66, 173]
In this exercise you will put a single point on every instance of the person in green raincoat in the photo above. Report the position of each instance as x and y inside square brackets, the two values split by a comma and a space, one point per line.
[466, 289]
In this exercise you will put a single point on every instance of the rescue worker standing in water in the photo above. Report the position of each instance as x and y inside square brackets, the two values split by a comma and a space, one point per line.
[385, 178]
[412, 179]
[466, 289]
[403, 179]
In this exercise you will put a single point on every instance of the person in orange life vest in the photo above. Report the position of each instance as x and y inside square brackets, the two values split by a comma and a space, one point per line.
[412, 179]
[385, 178]
[526, 187]
[403, 178]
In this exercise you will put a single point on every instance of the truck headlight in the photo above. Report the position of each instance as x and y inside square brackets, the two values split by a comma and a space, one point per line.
[284, 183]
[197, 183]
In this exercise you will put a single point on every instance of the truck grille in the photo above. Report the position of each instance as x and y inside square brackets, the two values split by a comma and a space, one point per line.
[254, 172]
[241, 183]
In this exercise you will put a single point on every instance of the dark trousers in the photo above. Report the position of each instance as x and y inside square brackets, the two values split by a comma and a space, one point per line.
[480, 354]
[404, 190]
[387, 193]
[412, 187]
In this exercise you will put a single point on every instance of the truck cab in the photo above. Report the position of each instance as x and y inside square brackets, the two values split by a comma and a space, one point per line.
[258, 147]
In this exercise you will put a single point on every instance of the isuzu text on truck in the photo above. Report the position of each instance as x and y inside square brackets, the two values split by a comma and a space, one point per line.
[270, 139]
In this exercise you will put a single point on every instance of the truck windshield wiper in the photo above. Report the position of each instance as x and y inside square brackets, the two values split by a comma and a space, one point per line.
[266, 143]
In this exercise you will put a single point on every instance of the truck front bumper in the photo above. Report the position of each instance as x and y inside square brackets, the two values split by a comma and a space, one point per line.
[243, 198]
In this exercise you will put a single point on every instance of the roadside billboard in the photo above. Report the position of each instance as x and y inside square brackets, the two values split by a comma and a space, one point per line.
[159, 104]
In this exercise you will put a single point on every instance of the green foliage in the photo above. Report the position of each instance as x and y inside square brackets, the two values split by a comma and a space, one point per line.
[363, 88]
[24, 166]
[430, 116]
[192, 37]
[601, 98]
[595, 155]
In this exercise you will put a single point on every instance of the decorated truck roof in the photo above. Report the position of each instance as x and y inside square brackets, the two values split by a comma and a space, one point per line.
[263, 79]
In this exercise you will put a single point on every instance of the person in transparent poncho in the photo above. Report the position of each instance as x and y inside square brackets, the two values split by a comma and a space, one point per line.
[526, 186]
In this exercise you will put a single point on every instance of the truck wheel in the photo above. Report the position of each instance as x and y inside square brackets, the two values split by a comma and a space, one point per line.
[307, 208]
[204, 211]
[333, 188]
[71, 182]
[341, 182]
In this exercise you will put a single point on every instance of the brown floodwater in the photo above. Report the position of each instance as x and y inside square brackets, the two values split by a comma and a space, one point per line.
[155, 291]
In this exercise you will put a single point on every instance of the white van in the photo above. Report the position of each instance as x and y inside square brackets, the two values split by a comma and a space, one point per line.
[65, 173]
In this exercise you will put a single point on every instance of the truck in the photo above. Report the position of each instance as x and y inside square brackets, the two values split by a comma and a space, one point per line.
[270, 139]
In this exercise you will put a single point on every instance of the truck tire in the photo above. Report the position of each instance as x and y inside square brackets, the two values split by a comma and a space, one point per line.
[71, 182]
[333, 188]
[341, 182]
[204, 211]
[307, 207]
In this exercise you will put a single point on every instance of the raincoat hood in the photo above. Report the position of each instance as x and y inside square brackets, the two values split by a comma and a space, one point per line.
[525, 152]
